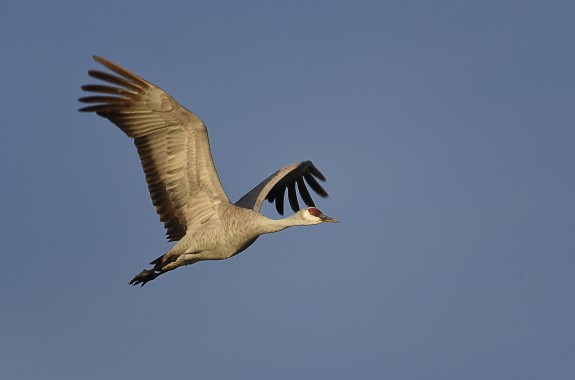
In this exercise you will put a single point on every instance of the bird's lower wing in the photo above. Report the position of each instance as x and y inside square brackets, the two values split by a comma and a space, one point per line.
[274, 187]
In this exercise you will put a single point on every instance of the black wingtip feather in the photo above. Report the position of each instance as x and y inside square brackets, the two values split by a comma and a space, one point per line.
[315, 171]
[280, 200]
[303, 191]
[292, 197]
[315, 185]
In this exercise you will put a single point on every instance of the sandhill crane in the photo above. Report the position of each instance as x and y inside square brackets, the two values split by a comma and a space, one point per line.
[174, 150]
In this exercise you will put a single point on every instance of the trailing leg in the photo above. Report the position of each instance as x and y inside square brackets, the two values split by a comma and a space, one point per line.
[163, 264]
[144, 276]
[148, 275]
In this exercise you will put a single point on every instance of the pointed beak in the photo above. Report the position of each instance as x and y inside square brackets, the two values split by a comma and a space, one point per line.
[326, 218]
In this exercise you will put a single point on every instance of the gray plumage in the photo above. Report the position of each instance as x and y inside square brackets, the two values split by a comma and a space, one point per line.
[174, 150]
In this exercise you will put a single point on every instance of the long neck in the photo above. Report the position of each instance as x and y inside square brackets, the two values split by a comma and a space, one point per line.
[269, 226]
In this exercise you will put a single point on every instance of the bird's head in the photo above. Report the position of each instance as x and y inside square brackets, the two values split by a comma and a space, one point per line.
[313, 216]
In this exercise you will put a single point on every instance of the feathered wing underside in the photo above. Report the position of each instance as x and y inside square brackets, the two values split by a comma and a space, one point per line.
[171, 141]
[287, 178]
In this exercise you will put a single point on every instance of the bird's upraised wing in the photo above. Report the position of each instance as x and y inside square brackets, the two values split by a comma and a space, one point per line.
[273, 188]
[171, 141]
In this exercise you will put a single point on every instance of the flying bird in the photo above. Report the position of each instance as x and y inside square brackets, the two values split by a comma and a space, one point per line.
[174, 150]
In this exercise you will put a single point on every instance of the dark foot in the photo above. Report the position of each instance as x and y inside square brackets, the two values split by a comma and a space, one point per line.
[145, 276]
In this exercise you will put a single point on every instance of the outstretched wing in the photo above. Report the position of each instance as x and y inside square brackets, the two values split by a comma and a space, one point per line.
[273, 188]
[171, 141]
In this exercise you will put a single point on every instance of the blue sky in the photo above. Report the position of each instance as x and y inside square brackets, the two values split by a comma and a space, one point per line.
[446, 132]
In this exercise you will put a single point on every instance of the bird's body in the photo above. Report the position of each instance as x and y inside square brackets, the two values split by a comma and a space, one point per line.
[236, 230]
[184, 186]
